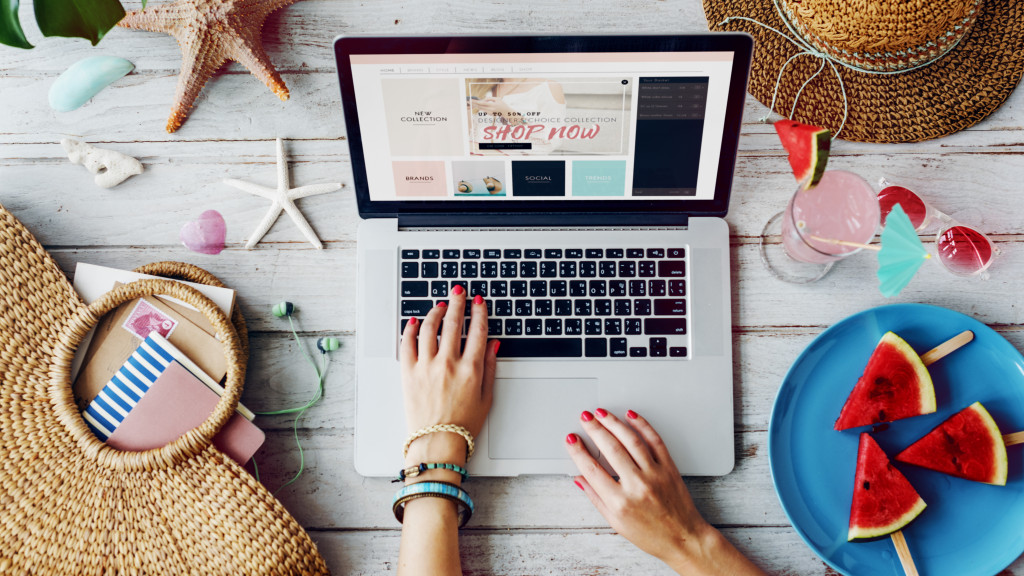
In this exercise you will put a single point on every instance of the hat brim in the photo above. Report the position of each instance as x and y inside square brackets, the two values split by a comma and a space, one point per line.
[952, 93]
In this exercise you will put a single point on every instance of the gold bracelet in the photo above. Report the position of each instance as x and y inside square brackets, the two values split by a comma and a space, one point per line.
[453, 428]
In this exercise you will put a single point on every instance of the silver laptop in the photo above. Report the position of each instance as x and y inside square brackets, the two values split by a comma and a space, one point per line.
[578, 183]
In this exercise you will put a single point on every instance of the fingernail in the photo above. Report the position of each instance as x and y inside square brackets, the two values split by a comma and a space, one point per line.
[478, 299]
[412, 321]
[570, 439]
[458, 290]
[497, 344]
[586, 416]
[442, 304]
[601, 412]
[630, 414]
[578, 485]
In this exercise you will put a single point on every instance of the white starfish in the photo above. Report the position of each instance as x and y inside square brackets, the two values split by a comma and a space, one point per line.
[283, 198]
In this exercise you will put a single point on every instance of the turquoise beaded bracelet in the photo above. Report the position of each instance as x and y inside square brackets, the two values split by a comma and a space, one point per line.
[434, 489]
[414, 471]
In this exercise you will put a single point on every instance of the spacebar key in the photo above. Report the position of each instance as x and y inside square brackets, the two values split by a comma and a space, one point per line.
[541, 348]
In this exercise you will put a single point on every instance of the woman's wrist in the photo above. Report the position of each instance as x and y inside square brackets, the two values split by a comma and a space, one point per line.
[441, 448]
[694, 549]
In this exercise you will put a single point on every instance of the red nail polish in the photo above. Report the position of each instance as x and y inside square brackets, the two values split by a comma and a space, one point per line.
[458, 290]
[578, 485]
[586, 416]
[601, 412]
[630, 414]
[478, 299]
[442, 304]
[412, 321]
[497, 344]
[570, 439]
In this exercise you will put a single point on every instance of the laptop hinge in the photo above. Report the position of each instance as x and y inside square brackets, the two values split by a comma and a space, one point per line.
[510, 220]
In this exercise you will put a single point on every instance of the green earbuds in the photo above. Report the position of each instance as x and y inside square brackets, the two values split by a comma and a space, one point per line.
[283, 309]
[325, 345]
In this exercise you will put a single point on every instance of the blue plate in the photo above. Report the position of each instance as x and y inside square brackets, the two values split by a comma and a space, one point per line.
[968, 528]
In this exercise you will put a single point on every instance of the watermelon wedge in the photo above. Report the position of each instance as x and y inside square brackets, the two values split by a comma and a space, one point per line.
[883, 499]
[808, 148]
[894, 385]
[967, 445]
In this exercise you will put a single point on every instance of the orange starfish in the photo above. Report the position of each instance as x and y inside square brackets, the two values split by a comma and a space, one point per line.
[211, 32]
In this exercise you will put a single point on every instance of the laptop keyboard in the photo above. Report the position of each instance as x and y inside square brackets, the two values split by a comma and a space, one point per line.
[560, 303]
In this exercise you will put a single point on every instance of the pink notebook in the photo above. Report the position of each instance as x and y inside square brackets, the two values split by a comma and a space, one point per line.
[176, 403]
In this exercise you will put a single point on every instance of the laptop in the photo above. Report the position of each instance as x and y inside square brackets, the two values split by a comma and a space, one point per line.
[578, 183]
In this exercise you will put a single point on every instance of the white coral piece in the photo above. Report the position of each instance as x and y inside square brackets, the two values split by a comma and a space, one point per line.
[110, 167]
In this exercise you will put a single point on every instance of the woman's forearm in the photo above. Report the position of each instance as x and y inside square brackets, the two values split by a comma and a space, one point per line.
[430, 539]
[711, 554]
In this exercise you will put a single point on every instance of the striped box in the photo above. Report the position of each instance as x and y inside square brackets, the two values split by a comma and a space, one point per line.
[110, 407]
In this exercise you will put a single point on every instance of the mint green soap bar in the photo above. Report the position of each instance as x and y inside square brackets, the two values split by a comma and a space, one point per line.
[84, 79]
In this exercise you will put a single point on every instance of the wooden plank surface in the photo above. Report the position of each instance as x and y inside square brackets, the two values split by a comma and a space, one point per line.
[527, 525]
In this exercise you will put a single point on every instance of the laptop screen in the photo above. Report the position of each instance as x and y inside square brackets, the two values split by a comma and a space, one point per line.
[542, 127]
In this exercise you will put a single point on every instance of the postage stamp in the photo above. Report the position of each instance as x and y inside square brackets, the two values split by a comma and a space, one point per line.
[145, 318]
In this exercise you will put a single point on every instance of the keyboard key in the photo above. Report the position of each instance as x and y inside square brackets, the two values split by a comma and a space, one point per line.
[606, 269]
[623, 307]
[641, 307]
[677, 351]
[574, 253]
[677, 287]
[533, 326]
[513, 327]
[597, 288]
[613, 326]
[659, 347]
[410, 254]
[471, 253]
[638, 288]
[549, 269]
[477, 287]
[542, 307]
[563, 307]
[553, 253]
[533, 253]
[469, 269]
[524, 308]
[528, 269]
[502, 307]
[463, 283]
[582, 308]
[558, 288]
[431, 254]
[656, 287]
[634, 253]
[449, 269]
[517, 289]
[573, 326]
[494, 327]
[499, 289]
[596, 347]
[654, 326]
[538, 288]
[588, 269]
[646, 269]
[509, 270]
[567, 269]
[627, 269]
[655, 252]
[677, 253]
[416, 307]
[578, 288]
[602, 307]
[512, 253]
[541, 348]
[439, 289]
[618, 347]
[638, 352]
[429, 270]
[488, 269]
[633, 326]
[594, 253]
[670, 307]
[671, 269]
[553, 327]
[410, 270]
[592, 327]
[613, 253]
[616, 287]
[451, 254]
[492, 254]
[414, 289]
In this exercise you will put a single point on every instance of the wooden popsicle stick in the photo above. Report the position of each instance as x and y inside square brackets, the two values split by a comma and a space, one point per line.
[903, 551]
[874, 247]
[935, 354]
[1013, 438]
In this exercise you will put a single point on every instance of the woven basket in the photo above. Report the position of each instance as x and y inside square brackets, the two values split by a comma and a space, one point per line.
[70, 504]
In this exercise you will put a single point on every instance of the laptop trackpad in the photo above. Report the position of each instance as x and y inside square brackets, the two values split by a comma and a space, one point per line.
[531, 416]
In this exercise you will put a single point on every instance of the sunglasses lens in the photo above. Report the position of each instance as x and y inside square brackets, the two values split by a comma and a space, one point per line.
[964, 251]
[912, 204]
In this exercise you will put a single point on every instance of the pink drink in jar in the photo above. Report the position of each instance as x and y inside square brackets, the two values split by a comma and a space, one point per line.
[842, 207]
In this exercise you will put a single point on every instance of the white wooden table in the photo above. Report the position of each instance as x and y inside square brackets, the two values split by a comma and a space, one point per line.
[529, 525]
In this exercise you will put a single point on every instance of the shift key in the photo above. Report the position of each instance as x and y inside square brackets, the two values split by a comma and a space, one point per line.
[663, 326]
[669, 307]
[416, 307]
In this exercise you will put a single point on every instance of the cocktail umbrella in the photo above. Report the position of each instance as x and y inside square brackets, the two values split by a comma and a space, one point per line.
[901, 255]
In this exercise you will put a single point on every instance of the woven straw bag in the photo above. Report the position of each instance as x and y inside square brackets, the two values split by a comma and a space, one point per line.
[70, 504]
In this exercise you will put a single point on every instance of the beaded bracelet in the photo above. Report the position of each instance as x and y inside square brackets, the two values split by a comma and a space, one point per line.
[414, 471]
[437, 490]
[455, 429]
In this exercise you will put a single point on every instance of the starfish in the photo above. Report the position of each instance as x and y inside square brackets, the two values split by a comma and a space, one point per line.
[283, 198]
[209, 33]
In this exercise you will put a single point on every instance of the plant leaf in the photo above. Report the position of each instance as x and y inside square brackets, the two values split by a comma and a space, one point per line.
[10, 27]
[89, 19]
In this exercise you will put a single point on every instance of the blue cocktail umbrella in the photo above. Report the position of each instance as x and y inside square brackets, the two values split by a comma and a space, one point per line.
[901, 255]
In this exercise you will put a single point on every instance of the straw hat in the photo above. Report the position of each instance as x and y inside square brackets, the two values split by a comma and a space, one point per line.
[911, 70]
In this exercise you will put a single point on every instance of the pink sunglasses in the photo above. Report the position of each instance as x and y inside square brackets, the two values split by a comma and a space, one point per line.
[963, 250]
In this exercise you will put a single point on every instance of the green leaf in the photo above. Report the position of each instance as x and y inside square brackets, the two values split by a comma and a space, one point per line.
[89, 19]
[10, 27]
